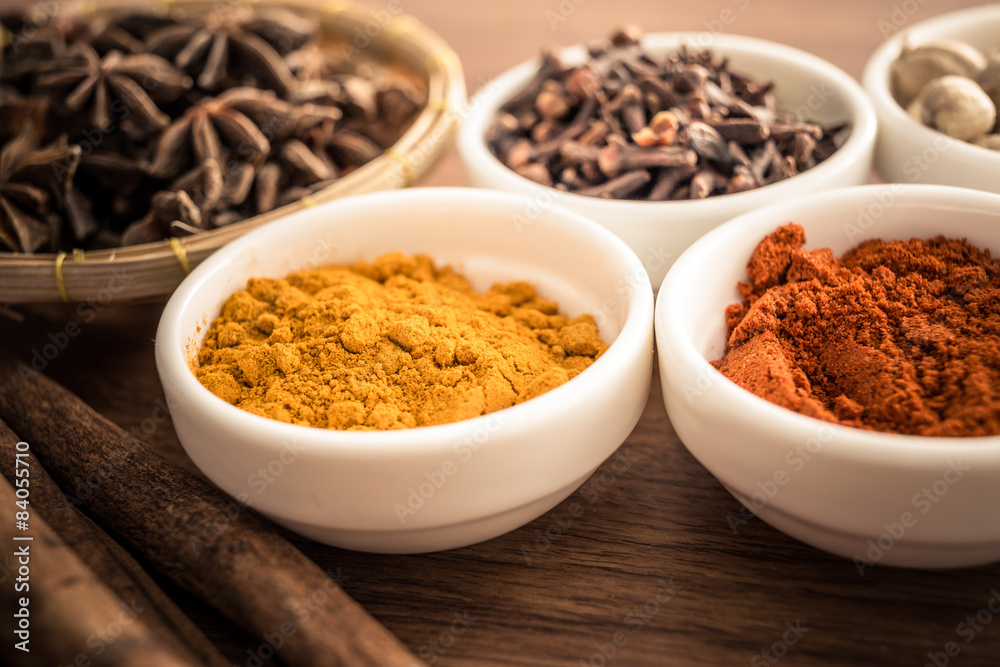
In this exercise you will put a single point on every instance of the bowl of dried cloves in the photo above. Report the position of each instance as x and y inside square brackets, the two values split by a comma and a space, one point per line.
[936, 90]
[135, 142]
[660, 140]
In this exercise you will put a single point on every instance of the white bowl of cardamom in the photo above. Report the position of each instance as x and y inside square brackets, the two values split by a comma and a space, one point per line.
[935, 87]
[412, 434]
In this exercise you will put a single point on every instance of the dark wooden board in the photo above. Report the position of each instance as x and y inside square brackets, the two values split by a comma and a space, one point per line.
[649, 571]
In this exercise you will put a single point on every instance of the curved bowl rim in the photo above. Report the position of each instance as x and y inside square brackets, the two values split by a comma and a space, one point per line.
[482, 109]
[846, 441]
[875, 79]
[172, 355]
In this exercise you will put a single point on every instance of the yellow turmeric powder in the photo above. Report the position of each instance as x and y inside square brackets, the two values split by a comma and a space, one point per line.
[397, 343]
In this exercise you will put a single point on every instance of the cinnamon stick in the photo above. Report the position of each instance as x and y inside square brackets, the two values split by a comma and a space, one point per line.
[248, 572]
[70, 618]
[109, 561]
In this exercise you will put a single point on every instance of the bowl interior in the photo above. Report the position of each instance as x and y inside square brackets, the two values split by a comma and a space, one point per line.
[909, 151]
[977, 26]
[479, 234]
[704, 279]
[659, 232]
[802, 85]
[482, 235]
[806, 86]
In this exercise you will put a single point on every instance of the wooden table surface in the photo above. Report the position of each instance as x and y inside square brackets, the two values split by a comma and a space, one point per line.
[652, 573]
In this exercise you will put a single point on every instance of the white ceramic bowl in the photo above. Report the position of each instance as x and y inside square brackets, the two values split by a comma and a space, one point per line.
[659, 232]
[435, 487]
[837, 488]
[906, 150]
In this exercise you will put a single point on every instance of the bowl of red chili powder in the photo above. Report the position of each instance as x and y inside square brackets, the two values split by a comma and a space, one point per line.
[834, 361]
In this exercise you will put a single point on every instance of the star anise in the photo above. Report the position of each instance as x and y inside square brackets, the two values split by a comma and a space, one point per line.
[165, 209]
[305, 166]
[377, 104]
[117, 87]
[109, 36]
[299, 165]
[237, 126]
[214, 150]
[205, 132]
[204, 198]
[293, 170]
[125, 31]
[111, 187]
[352, 150]
[26, 44]
[315, 63]
[233, 41]
[28, 190]
[189, 122]
[137, 23]
[13, 109]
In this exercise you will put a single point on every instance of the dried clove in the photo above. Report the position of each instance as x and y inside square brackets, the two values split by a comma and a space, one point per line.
[744, 131]
[618, 156]
[620, 186]
[626, 125]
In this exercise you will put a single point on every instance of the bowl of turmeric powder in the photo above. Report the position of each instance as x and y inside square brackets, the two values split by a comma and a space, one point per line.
[834, 361]
[412, 371]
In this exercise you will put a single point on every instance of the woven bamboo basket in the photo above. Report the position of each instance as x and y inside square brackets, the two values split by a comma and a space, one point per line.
[153, 270]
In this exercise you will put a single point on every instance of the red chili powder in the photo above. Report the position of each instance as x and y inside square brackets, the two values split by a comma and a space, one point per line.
[896, 336]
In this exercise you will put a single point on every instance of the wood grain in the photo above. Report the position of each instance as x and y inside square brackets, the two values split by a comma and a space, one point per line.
[650, 567]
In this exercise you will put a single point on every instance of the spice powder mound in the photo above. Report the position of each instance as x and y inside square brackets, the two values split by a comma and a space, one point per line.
[397, 343]
[896, 336]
